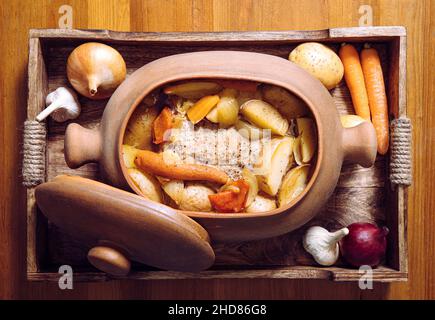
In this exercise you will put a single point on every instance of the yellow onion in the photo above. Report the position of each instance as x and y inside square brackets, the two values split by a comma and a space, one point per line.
[95, 70]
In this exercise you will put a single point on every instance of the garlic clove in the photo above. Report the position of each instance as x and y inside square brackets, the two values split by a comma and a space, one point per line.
[323, 245]
[62, 104]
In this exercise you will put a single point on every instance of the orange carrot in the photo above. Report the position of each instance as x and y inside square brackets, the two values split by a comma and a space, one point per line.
[154, 163]
[201, 108]
[374, 80]
[354, 77]
[230, 200]
[241, 85]
[161, 126]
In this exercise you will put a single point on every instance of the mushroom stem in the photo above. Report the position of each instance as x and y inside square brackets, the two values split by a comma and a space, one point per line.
[47, 111]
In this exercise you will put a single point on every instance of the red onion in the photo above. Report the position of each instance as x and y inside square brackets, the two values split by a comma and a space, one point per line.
[364, 245]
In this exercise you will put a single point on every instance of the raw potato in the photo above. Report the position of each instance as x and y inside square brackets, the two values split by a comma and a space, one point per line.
[174, 189]
[293, 184]
[320, 61]
[250, 178]
[147, 183]
[282, 156]
[139, 129]
[351, 120]
[265, 116]
[289, 105]
[195, 198]
[193, 89]
[306, 143]
[128, 155]
[261, 203]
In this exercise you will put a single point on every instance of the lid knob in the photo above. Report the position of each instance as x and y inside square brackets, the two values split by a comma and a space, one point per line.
[109, 260]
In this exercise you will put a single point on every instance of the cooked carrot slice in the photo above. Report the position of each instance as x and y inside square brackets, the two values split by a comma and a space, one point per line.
[161, 126]
[232, 199]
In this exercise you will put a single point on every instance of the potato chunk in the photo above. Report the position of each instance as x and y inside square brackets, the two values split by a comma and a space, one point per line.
[265, 116]
[289, 105]
[261, 203]
[280, 159]
[195, 198]
[293, 184]
[148, 184]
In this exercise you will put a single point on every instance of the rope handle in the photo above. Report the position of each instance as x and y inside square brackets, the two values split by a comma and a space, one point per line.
[401, 151]
[34, 141]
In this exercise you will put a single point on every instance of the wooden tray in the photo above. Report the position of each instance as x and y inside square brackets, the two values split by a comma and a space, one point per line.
[361, 194]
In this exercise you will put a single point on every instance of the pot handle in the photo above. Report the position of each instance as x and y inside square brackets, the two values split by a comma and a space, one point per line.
[82, 145]
[360, 145]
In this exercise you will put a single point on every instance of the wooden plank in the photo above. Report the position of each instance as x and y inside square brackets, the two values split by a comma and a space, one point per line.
[397, 195]
[267, 36]
[336, 274]
[402, 193]
[377, 33]
[243, 15]
[368, 32]
[13, 101]
[37, 88]
[103, 11]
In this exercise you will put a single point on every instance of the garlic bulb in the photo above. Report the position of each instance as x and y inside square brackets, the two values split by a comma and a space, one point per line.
[62, 104]
[323, 245]
[95, 70]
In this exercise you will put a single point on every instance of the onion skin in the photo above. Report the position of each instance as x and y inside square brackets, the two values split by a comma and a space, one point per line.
[365, 244]
[95, 70]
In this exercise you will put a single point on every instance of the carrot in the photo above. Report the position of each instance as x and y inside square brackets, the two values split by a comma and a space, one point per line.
[374, 80]
[201, 108]
[241, 85]
[232, 199]
[354, 77]
[154, 163]
[161, 125]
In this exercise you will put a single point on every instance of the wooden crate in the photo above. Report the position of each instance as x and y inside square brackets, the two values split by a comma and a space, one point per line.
[361, 194]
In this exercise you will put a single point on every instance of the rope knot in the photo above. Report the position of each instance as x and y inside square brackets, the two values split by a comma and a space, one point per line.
[400, 152]
[34, 153]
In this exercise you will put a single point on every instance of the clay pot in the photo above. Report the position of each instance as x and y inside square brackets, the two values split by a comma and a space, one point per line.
[335, 143]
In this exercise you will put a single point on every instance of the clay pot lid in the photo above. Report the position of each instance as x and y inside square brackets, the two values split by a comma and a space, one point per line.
[124, 226]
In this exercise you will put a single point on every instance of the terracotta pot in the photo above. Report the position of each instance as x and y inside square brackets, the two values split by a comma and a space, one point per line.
[335, 144]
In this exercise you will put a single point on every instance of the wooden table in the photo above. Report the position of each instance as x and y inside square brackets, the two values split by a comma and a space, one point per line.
[17, 17]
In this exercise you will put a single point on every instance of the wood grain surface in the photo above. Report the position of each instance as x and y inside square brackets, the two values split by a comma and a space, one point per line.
[17, 17]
